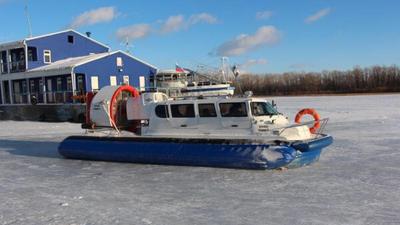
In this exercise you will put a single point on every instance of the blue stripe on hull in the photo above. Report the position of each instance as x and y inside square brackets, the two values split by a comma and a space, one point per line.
[193, 152]
[247, 156]
[309, 152]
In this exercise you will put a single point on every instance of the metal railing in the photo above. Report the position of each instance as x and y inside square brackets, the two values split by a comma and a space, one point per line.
[14, 67]
[3, 68]
[17, 66]
[20, 98]
[55, 97]
[318, 132]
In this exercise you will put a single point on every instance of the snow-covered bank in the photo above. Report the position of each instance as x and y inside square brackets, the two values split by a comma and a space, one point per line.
[355, 181]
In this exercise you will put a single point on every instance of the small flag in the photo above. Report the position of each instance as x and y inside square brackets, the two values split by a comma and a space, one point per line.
[178, 68]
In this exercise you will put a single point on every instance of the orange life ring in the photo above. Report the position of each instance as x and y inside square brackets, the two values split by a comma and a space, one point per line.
[124, 88]
[311, 112]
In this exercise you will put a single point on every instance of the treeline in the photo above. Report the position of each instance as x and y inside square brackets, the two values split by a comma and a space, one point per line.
[358, 80]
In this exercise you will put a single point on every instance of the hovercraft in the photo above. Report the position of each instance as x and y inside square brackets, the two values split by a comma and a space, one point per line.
[232, 132]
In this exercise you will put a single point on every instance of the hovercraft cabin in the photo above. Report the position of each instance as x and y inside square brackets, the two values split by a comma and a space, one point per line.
[44, 77]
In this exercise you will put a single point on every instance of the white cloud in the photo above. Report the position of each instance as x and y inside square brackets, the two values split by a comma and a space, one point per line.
[178, 22]
[133, 32]
[264, 15]
[253, 62]
[318, 15]
[173, 23]
[99, 15]
[245, 43]
[202, 18]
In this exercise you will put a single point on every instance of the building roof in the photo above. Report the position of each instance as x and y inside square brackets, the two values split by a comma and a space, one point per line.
[66, 66]
[13, 44]
[70, 63]
[20, 42]
[64, 31]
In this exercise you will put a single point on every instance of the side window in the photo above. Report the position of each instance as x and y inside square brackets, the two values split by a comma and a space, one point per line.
[126, 79]
[32, 54]
[70, 39]
[47, 56]
[69, 84]
[59, 84]
[162, 111]
[95, 82]
[207, 110]
[182, 110]
[119, 62]
[80, 83]
[32, 88]
[233, 109]
[113, 80]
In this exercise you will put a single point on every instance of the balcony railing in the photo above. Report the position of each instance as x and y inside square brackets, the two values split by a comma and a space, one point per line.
[55, 97]
[17, 66]
[3, 68]
[14, 66]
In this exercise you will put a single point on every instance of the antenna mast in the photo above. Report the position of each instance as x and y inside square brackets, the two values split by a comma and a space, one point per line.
[224, 71]
[127, 45]
[28, 18]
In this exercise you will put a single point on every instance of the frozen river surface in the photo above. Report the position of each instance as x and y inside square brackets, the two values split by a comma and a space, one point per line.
[356, 181]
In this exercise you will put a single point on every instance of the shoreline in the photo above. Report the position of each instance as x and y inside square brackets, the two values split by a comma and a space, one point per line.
[332, 94]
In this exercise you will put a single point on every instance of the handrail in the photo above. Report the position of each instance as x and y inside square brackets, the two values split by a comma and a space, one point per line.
[320, 130]
[13, 66]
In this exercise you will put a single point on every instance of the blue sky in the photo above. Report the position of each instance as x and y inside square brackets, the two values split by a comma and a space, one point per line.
[261, 36]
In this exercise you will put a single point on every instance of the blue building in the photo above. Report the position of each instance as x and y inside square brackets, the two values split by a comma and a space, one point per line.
[55, 68]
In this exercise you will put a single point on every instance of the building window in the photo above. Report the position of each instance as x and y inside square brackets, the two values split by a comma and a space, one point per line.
[119, 62]
[70, 39]
[69, 84]
[32, 88]
[59, 84]
[162, 111]
[24, 87]
[32, 54]
[126, 80]
[113, 80]
[47, 56]
[95, 82]
[207, 110]
[41, 88]
[233, 109]
[182, 110]
[80, 84]
[142, 83]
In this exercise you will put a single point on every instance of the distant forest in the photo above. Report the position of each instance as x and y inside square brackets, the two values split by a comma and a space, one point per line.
[376, 79]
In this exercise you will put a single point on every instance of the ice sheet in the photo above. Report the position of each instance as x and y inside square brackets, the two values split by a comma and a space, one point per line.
[356, 181]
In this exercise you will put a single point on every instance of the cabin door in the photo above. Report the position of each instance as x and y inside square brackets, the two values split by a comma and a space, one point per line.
[208, 118]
